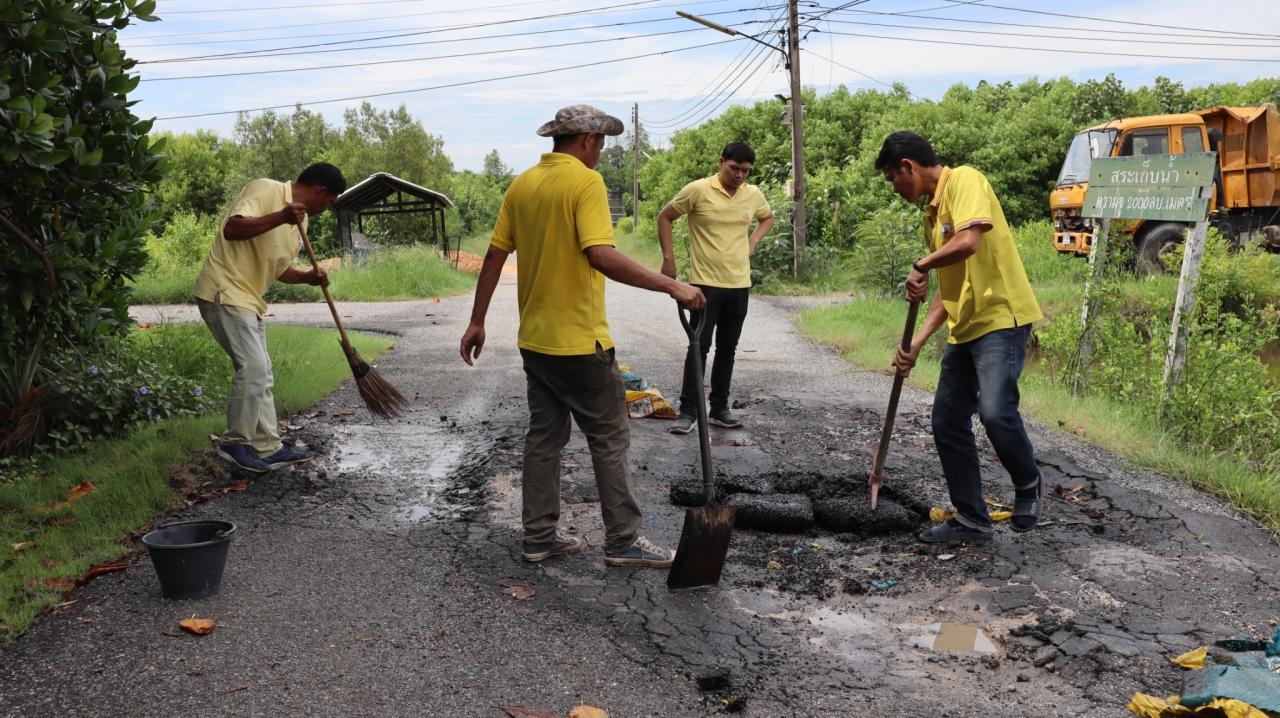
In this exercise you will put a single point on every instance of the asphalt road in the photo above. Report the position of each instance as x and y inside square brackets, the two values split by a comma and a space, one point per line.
[372, 582]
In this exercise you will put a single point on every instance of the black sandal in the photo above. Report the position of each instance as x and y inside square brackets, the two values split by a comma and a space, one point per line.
[1028, 508]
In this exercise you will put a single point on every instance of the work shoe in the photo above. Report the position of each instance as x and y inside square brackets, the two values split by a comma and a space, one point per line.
[244, 456]
[1026, 511]
[641, 553]
[722, 417]
[683, 424]
[558, 547]
[286, 455]
[952, 531]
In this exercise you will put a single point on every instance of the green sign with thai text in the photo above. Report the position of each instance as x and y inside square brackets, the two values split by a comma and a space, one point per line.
[1167, 187]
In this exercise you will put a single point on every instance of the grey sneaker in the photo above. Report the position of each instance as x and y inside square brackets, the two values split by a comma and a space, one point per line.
[682, 425]
[560, 546]
[641, 553]
[244, 456]
[722, 417]
[952, 531]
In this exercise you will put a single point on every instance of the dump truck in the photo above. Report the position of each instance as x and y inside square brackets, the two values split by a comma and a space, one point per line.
[1245, 204]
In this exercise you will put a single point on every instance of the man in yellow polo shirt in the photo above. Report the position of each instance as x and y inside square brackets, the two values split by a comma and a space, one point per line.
[721, 209]
[254, 247]
[555, 217]
[985, 300]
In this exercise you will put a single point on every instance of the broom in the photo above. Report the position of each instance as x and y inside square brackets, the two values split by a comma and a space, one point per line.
[382, 399]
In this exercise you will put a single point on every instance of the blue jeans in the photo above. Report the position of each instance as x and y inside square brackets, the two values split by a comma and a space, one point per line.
[982, 376]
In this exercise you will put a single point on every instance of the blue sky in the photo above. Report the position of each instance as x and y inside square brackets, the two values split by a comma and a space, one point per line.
[433, 43]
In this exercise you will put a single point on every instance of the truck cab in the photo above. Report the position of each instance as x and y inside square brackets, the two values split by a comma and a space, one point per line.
[1135, 136]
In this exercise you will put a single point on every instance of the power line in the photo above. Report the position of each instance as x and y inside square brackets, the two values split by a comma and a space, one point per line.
[1127, 22]
[1057, 37]
[1081, 17]
[353, 21]
[277, 51]
[729, 78]
[745, 57]
[418, 59]
[1047, 49]
[731, 94]
[860, 72]
[309, 6]
[1126, 33]
[445, 86]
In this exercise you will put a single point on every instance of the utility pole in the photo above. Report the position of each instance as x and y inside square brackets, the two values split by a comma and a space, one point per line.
[635, 167]
[797, 140]
[792, 56]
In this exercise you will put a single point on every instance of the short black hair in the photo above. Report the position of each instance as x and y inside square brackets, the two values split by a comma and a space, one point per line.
[560, 141]
[738, 151]
[325, 175]
[905, 145]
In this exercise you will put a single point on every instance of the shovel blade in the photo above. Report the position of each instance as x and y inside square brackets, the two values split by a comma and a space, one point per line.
[875, 481]
[704, 543]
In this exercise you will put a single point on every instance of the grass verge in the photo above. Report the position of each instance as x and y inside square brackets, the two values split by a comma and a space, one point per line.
[47, 544]
[866, 331]
[416, 272]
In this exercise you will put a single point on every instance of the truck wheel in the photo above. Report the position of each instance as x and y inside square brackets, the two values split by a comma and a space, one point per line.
[1155, 245]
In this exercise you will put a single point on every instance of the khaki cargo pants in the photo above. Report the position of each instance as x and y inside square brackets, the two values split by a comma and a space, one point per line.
[251, 408]
[588, 387]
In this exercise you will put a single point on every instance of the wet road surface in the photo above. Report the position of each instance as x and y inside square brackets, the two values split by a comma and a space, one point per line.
[372, 583]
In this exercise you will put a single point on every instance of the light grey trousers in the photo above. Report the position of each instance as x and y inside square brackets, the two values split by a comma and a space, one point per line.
[251, 408]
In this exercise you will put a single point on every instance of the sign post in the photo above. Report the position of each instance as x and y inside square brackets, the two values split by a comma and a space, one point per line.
[1171, 188]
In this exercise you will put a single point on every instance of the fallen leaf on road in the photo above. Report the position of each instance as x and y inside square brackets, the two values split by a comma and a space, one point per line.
[198, 626]
[1192, 659]
[237, 689]
[773, 566]
[22, 545]
[436, 300]
[77, 492]
[1001, 515]
[290, 427]
[1078, 431]
[522, 712]
[100, 569]
[238, 486]
[344, 412]
[519, 590]
[946, 556]
[937, 514]
[588, 712]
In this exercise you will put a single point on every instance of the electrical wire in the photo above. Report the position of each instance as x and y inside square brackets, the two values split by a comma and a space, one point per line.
[309, 6]
[1071, 52]
[860, 72]
[444, 86]
[710, 97]
[1055, 37]
[478, 53]
[1125, 33]
[1126, 22]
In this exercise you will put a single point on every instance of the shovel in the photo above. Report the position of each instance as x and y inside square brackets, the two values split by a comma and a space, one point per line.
[876, 479]
[705, 538]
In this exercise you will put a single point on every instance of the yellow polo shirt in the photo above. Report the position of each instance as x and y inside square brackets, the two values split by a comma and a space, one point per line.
[988, 291]
[238, 272]
[719, 225]
[552, 213]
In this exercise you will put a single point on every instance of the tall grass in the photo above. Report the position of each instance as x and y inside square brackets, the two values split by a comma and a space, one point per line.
[415, 272]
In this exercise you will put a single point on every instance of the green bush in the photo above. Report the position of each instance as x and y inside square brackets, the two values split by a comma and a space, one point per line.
[184, 242]
[623, 226]
[887, 242]
[78, 168]
[1042, 262]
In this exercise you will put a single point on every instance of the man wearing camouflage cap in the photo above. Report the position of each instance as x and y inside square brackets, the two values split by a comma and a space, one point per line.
[555, 216]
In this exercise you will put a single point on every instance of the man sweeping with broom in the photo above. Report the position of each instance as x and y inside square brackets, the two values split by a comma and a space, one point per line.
[254, 247]
[555, 216]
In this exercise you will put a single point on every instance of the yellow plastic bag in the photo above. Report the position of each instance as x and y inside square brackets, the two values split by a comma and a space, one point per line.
[649, 404]
[1192, 659]
[1146, 706]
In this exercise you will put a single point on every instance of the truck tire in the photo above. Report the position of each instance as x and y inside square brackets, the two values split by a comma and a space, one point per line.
[1155, 244]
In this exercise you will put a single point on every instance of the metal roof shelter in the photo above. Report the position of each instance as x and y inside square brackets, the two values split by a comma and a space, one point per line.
[372, 196]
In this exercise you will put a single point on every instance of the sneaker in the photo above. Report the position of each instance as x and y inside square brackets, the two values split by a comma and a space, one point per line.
[641, 553]
[952, 531]
[682, 425]
[286, 455]
[722, 417]
[560, 546]
[244, 456]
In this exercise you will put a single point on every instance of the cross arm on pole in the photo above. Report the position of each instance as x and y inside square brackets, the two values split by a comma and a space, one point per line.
[727, 30]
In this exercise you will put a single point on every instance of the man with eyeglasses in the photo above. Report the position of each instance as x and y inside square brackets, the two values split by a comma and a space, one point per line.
[255, 247]
[721, 209]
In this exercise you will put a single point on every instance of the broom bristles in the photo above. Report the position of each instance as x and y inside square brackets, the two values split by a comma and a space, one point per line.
[382, 399]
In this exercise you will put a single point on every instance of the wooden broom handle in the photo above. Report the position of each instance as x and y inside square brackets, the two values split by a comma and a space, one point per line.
[327, 297]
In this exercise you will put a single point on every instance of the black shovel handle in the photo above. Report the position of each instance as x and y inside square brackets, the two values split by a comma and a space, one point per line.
[694, 332]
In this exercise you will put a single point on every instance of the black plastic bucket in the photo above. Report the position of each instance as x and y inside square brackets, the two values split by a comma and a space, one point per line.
[189, 556]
